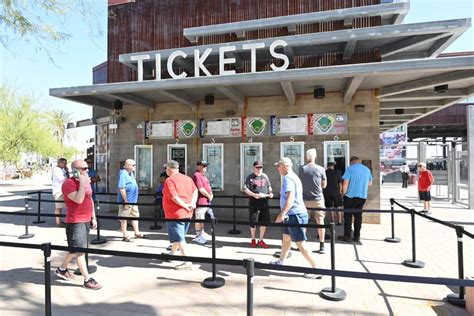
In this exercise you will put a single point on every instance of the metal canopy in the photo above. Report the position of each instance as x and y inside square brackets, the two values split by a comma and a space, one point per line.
[391, 13]
[416, 40]
[406, 85]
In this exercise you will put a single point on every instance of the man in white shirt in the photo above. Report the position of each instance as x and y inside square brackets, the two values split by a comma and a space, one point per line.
[405, 171]
[60, 173]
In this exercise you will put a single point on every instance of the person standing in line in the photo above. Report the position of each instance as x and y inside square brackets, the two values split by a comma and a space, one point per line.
[128, 193]
[179, 202]
[93, 176]
[257, 186]
[60, 174]
[80, 215]
[405, 171]
[425, 180]
[355, 188]
[332, 193]
[205, 197]
[293, 211]
[313, 178]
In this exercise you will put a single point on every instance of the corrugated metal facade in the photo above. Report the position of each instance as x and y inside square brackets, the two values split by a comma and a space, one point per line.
[158, 24]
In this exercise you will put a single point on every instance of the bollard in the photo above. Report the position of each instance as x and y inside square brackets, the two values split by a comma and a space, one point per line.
[249, 265]
[234, 230]
[332, 293]
[39, 221]
[213, 282]
[392, 217]
[155, 225]
[90, 269]
[413, 263]
[47, 277]
[459, 299]
[26, 235]
[99, 240]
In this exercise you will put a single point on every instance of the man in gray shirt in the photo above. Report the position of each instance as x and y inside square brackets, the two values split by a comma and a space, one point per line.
[314, 181]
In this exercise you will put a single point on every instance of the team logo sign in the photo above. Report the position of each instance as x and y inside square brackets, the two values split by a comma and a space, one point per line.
[188, 128]
[257, 126]
[324, 123]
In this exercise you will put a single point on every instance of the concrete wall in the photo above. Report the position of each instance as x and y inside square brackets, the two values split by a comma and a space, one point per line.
[363, 136]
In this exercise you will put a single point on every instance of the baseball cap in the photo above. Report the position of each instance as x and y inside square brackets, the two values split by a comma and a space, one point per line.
[202, 163]
[257, 163]
[284, 161]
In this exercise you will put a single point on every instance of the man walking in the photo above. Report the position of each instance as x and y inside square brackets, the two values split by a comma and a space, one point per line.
[80, 215]
[205, 197]
[179, 201]
[60, 173]
[355, 187]
[258, 188]
[332, 193]
[313, 178]
[425, 180]
[405, 171]
[293, 211]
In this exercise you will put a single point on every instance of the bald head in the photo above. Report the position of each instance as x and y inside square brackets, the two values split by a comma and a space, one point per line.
[79, 163]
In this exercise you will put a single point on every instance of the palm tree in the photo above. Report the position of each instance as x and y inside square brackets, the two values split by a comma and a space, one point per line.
[58, 120]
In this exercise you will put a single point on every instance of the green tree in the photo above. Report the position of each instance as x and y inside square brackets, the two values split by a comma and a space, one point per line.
[57, 121]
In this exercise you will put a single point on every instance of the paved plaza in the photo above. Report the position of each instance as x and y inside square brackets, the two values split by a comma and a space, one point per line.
[151, 287]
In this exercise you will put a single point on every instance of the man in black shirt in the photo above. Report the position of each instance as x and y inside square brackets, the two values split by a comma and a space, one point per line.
[258, 188]
[332, 193]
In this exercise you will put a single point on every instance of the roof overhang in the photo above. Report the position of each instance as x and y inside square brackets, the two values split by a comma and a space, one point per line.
[406, 85]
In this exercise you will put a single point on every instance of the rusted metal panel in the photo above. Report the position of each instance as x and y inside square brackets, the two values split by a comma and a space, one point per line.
[158, 24]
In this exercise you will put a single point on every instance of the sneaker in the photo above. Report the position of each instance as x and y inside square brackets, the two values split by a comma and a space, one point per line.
[344, 238]
[92, 284]
[206, 235]
[277, 262]
[262, 244]
[428, 212]
[312, 276]
[184, 266]
[65, 275]
[169, 247]
[321, 249]
[423, 211]
[356, 239]
[200, 240]
[253, 244]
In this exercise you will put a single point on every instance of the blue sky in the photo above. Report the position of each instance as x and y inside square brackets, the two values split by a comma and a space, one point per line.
[31, 72]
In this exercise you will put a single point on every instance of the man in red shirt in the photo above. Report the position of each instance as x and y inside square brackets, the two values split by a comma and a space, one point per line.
[204, 200]
[80, 215]
[425, 180]
[179, 201]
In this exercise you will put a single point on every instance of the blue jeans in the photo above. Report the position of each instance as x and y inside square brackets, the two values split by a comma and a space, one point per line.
[177, 231]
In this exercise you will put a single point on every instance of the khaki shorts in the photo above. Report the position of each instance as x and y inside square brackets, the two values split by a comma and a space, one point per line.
[58, 197]
[315, 204]
[128, 211]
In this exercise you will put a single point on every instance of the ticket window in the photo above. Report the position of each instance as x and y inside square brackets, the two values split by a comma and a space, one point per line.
[249, 152]
[337, 152]
[144, 168]
[294, 151]
[178, 152]
[214, 155]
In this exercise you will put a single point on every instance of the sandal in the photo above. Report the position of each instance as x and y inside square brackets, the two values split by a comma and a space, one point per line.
[127, 239]
[141, 236]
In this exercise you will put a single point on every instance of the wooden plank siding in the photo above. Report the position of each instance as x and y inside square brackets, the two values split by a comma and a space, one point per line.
[146, 25]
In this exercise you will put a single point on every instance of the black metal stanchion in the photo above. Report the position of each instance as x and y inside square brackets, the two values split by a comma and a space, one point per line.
[47, 277]
[39, 221]
[333, 293]
[155, 225]
[234, 230]
[459, 299]
[392, 217]
[90, 269]
[26, 235]
[213, 282]
[99, 240]
[413, 263]
[249, 265]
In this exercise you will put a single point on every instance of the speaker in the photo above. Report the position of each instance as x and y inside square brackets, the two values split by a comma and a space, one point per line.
[209, 99]
[118, 105]
[441, 88]
[319, 92]
[399, 111]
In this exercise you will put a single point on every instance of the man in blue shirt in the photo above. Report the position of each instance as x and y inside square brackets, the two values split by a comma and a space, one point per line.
[355, 187]
[293, 211]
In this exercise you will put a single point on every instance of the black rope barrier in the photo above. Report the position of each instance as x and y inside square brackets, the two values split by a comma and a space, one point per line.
[413, 263]
[26, 235]
[38, 220]
[392, 238]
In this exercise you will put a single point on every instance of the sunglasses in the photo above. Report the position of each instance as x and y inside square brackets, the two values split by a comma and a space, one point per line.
[80, 168]
[259, 167]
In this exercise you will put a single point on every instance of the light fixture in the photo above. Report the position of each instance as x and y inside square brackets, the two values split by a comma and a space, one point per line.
[359, 108]
[399, 111]
[319, 92]
[209, 99]
[441, 88]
